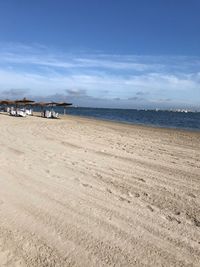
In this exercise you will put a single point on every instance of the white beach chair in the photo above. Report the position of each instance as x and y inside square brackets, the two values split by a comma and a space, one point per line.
[29, 112]
[21, 113]
[12, 112]
[48, 114]
[55, 115]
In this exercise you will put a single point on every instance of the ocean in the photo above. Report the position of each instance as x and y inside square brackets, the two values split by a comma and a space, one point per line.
[169, 119]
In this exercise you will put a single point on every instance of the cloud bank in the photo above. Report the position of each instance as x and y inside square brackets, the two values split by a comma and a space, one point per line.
[95, 79]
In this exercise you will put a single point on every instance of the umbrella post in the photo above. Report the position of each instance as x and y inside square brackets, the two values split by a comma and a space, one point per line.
[64, 105]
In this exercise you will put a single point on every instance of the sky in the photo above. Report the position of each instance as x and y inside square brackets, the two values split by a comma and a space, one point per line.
[102, 53]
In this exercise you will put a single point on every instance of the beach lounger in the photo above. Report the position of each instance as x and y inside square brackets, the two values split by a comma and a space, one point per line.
[29, 112]
[50, 114]
[12, 112]
[18, 113]
[21, 113]
[54, 115]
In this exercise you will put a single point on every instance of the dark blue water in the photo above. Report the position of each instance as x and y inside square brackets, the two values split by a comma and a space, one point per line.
[169, 119]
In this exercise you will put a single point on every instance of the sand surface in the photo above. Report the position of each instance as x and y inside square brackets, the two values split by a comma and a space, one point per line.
[80, 192]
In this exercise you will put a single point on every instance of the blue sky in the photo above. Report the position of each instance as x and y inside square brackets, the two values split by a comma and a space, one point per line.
[108, 53]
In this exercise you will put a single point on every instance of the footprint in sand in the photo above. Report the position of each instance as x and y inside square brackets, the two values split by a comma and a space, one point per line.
[195, 221]
[170, 218]
[141, 180]
[87, 185]
[99, 175]
[191, 195]
[137, 195]
[108, 190]
[124, 199]
[150, 208]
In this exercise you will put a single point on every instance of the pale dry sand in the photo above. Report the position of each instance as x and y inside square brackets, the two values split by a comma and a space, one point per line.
[80, 192]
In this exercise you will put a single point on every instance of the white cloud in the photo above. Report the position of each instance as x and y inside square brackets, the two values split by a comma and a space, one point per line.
[47, 72]
[118, 86]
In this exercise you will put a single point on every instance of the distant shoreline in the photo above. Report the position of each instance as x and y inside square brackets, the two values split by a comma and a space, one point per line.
[135, 124]
[125, 123]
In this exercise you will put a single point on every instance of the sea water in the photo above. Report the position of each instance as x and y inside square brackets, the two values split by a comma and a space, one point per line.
[169, 119]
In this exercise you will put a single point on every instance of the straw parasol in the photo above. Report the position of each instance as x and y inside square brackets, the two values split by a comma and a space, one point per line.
[52, 104]
[6, 102]
[24, 101]
[41, 104]
[64, 104]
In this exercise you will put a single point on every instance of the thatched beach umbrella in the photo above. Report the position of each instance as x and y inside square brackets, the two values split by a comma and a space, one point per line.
[47, 104]
[52, 104]
[7, 102]
[24, 101]
[39, 104]
[64, 104]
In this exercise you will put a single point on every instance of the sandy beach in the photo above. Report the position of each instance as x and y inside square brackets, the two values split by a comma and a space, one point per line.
[82, 192]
